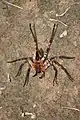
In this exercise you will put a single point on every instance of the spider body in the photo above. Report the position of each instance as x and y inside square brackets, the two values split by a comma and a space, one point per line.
[40, 61]
[39, 66]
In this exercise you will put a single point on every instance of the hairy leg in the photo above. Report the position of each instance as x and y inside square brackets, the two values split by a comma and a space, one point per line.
[62, 57]
[69, 76]
[20, 69]
[27, 76]
[35, 40]
[17, 60]
[66, 57]
[41, 52]
[34, 35]
[51, 40]
[35, 74]
[55, 77]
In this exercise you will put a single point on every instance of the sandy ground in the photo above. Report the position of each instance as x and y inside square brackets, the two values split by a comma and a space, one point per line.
[40, 99]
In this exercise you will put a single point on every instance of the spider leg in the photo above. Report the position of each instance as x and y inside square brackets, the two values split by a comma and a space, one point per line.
[27, 76]
[55, 77]
[35, 74]
[62, 57]
[41, 52]
[34, 35]
[50, 41]
[17, 60]
[66, 57]
[43, 75]
[20, 69]
[35, 40]
[62, 67]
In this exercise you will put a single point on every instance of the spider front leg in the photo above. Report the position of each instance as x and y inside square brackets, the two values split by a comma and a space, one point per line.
[35, 40]
[50, 41]
[27, 76]
[63, 68]
[34, 35]
[41, 52]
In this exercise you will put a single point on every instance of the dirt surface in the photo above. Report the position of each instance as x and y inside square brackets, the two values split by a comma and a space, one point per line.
[40, 97]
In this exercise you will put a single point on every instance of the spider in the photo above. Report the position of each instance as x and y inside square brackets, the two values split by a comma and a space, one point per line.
[40, 61]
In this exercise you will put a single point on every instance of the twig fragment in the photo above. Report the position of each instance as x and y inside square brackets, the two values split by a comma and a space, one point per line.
[4, 1]
[63, 12]
[58, 21]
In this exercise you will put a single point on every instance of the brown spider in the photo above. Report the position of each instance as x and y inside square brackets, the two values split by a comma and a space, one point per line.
[40, 61]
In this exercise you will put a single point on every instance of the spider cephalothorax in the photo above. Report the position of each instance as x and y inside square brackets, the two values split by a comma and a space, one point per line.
[40, 61]
[38, 66]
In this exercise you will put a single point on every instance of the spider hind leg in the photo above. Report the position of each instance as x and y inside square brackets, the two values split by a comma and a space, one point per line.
[55, 76]
[65, 70]
[20, 69]
[27, 77]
